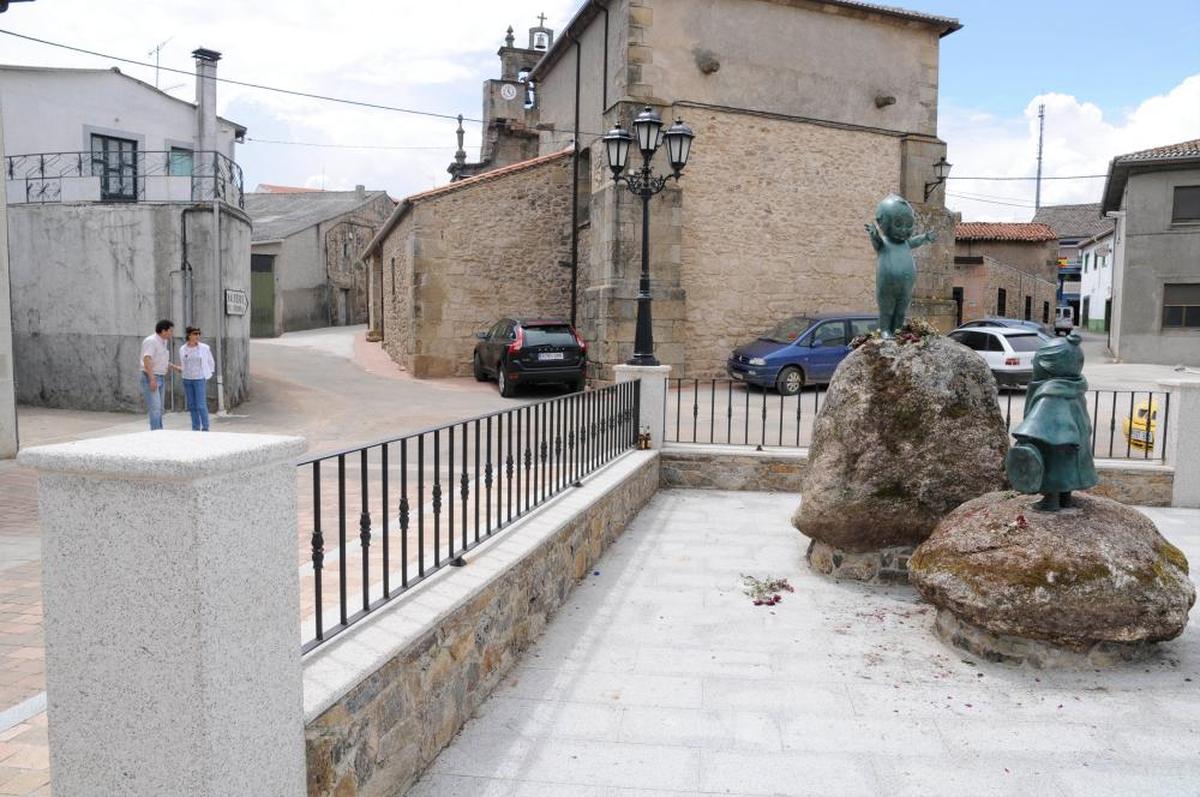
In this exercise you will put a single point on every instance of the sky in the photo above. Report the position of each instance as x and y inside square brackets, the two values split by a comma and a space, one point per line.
[1112, 81]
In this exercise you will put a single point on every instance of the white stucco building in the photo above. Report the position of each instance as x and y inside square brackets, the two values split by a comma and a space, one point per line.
[124, 207]
[1095, 281]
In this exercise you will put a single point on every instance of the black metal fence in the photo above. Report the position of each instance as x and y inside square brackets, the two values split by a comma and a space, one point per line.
[123, 175]
[1126, 424]
[426, 499]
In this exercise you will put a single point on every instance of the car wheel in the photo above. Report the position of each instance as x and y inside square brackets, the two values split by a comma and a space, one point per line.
[790, 380]
[506, 387]
[477, 367]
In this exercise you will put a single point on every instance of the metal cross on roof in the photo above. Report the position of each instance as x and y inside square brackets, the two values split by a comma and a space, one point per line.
[542, 20]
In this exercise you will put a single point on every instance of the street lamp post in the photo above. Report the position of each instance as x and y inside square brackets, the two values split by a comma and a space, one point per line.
[644, 183]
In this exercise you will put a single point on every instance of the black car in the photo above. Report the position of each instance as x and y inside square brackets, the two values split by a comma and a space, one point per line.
[531, 352]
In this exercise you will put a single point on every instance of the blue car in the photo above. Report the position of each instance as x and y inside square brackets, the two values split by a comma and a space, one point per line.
[799, 351]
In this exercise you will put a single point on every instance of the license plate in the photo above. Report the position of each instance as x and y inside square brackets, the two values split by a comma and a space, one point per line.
[1140, 435]
[551, 355]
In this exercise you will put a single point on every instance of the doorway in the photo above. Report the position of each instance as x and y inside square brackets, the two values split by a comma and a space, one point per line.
[262, 296]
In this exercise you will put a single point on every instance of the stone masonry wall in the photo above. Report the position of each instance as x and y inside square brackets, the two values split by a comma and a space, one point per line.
[981, 285]
[732, 468]
[396, 265]
[773, 213]
[478, 251]
[378, 738]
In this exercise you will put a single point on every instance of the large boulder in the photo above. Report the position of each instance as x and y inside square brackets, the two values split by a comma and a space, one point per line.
[910, 429]
[1096, 573]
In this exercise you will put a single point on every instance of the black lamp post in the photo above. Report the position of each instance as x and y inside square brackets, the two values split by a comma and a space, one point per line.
[648, 132]
[941, 170]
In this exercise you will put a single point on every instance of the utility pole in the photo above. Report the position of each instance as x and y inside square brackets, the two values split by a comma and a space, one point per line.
[1037, 199]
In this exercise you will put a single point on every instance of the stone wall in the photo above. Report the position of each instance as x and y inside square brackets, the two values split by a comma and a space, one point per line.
[395, 259]
[477, 251]
[982, 282]
[772, 214]
[379, 737]
[733, 468]
[782, 470]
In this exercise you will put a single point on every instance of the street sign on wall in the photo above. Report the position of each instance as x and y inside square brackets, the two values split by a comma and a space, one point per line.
[237, 302]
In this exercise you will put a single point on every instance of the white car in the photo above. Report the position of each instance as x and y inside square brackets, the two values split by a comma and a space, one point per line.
[1008, 352]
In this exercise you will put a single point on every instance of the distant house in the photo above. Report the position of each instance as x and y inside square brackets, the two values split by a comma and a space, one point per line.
[1074, 224]
[1095, 257]
[124, 207]
[305, 256]
[1003, 269]
[1155, 196]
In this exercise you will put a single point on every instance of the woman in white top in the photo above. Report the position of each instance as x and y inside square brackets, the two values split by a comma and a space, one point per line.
[197, 366]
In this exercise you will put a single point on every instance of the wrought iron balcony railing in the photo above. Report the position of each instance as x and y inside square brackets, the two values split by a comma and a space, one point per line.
[127, 176]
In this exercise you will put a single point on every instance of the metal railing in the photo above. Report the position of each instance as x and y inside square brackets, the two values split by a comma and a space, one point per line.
[725, 412]
[428, 498]
[126, 176]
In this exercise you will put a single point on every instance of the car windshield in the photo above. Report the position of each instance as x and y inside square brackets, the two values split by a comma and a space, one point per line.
[549, 335]
[1030, 342]
[787, 331]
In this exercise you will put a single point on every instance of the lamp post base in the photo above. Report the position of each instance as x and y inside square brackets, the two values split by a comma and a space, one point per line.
[643, 359]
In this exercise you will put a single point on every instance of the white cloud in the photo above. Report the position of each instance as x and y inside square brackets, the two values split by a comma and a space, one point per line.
[1078, 140]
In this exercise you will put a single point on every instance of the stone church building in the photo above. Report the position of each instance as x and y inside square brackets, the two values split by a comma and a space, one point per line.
[806, 114]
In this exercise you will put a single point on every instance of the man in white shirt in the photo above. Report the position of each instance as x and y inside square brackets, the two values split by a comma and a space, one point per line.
[156, 360]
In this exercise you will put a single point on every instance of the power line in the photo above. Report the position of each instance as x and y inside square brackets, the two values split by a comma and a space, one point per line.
[351, 146]
[1027, 206]
[292, 92]
[1067, 177]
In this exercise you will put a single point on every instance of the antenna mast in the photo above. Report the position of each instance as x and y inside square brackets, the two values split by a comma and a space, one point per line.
[1037, 199]
[156, 51]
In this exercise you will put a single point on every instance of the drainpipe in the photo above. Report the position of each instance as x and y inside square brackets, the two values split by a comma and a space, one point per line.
[220, 304]
[575, 192]
[604, 80]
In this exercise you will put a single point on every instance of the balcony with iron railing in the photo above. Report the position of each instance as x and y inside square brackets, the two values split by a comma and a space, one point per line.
[138, 176]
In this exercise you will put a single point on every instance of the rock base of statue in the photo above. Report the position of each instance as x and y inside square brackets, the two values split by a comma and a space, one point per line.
[1017, 651]
[885, 566]
[1097, 581]
[910, 429]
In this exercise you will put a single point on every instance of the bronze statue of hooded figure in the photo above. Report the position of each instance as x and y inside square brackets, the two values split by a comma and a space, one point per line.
[1053, 453]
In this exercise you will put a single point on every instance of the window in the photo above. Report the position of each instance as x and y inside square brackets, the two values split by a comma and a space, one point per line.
[1045, 312]
[831, 333]
[993, 342]
[114, 161]
[1181, 306]
[862, 326]
[1028, 308]
[1187, 203]
[180, 162]
[978, 341]
[1024, 342]
[1001, 302]
[1086, 256]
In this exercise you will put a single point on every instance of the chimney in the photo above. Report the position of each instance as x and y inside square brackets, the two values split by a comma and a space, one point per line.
[206, 103]
[360, 191]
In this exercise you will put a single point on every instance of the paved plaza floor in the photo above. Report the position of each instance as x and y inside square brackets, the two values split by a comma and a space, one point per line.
[659, 677]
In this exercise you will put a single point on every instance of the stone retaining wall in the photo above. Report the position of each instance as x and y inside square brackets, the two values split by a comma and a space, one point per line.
[378, 737]
[780, 470]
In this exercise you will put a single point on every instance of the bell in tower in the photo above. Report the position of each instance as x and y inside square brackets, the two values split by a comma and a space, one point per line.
[541, 37]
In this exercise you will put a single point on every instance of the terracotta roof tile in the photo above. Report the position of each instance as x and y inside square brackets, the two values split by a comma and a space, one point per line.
[998, 231]
[486, 176]
[1184, 149]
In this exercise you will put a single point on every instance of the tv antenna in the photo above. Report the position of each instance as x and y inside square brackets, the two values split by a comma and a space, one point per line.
[156, 52]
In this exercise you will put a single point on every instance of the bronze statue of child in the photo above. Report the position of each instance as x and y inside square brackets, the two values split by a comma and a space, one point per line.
[895, 271]
[1053, 453]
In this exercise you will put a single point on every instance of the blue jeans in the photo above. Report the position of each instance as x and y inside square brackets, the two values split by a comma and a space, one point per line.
[197, 403]
[154, 399]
